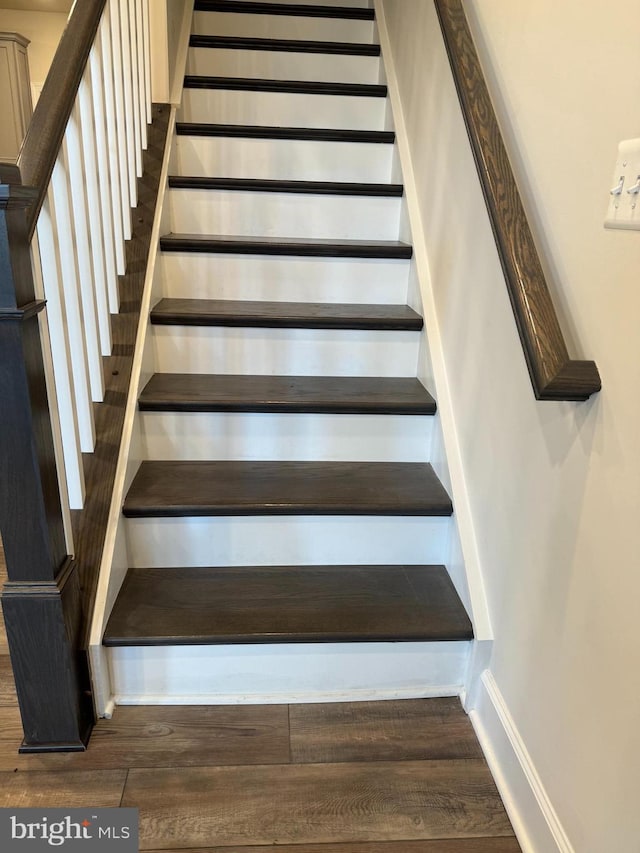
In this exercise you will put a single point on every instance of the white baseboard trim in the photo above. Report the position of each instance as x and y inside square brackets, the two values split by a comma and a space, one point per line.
[293, 698]
[534, 819]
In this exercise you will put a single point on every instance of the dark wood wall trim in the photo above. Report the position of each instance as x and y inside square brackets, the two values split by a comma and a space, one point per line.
[43, 139]
[554, 375]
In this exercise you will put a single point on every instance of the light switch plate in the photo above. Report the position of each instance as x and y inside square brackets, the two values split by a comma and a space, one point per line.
[624, 206]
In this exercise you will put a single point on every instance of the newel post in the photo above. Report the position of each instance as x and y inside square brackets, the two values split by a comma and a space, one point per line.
[41, 600]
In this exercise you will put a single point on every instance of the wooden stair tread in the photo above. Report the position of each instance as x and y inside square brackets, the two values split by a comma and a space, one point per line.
[298, 246]
[287, 604]
[297, 10]
[360, 188]
[284, 45]
[292, 87]
[257, 131]
[179, 489]
[287, 315]
[189, 392]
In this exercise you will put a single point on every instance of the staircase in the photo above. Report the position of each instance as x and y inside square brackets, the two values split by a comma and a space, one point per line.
[286, 532]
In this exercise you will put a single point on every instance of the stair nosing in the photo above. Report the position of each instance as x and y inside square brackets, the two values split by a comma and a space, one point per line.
[292, 87]
[215, 42]
[357, 13]
[275, 400]
[312, 134]
[340, 188]
[284, 315]
[430, 499]
[232, 244]
[447, 621]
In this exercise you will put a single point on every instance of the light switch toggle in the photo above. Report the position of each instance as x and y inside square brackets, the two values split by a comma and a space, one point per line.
[617, 190]
[624, 199]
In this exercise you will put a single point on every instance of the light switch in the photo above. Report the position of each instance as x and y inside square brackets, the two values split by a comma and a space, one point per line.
[624, 193]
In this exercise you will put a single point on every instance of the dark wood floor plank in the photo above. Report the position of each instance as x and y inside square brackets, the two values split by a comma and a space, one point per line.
[97, 789]
[458, 845]
[284, 315]
[285, 604]
[315, 803]
[170, 489]
[164, 736]
[407, 730]
[8, 696]
[202, 392]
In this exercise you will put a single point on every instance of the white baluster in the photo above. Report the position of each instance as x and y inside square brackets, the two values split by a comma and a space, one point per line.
[109, 188]
[132, 137]
[147, 57]
[61, 355]
[52, 394]
[85, 114]
[102, 80]
[61, 217]
[135, 85]
[142, 99]
[79, 225]
[113, 62]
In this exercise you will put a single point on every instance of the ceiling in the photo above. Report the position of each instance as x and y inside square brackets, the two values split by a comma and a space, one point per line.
[37, 5]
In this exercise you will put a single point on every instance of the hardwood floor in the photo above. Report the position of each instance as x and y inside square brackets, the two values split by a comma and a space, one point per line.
[358, 777]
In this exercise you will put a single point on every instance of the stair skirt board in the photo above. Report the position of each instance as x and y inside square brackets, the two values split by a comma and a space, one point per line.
[283, 108]
[283, 159]
[282, 27]
[282, 65]
[283, 436]
[197, 275]
[282, 214]
[286, 540]
[313, 352]
[315, 672]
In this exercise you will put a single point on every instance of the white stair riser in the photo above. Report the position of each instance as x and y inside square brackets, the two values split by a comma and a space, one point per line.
[271, 436]
[273, 214]
[304, 352]
[202, 276]
[282, 27]
[287, 673]
[282, 109]
[287, 541]
[283, 65]
[282, 159]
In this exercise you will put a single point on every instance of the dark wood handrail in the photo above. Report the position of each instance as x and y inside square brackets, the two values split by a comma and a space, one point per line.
[553, 374]
[46, 130]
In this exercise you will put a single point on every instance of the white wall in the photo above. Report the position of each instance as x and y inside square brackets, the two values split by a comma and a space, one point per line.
[554, 487]
[44, 30]
[167, 18]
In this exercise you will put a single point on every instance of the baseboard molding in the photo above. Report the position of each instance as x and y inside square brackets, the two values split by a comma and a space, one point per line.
[534, 819]
[288, 698]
